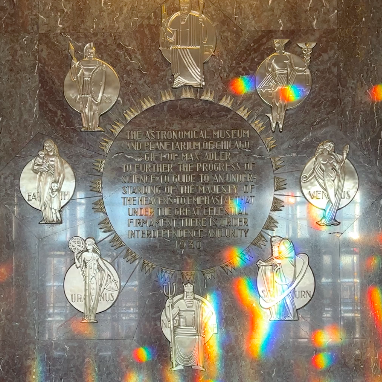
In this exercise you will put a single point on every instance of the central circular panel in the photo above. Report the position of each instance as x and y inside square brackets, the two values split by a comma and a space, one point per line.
[187, 184]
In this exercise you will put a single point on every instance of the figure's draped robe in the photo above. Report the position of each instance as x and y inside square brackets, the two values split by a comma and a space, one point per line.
[332, 182]
[276, 283]
[187, 53]
[188, 330]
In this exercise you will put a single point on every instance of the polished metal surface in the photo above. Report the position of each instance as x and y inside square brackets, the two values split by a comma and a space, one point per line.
[91, 87]
[329, 181]
[337, 336]
[188, 321]
[187, 41]
[285, 281]
[283, 80]
[91, 284]
[47, 183]
[188, 190]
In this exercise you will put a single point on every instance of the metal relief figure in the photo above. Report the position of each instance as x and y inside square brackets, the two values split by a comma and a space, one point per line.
[47, 183]
[187, 40]
[283, 80]
[99, 278]
[329, 181]
[285, 281]
[91, 87]
[188, 321]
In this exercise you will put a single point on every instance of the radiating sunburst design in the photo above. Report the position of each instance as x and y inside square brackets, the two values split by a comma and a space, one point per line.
[167, 96]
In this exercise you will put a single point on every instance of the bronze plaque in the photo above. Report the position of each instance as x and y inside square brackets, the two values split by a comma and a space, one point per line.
[186, 183]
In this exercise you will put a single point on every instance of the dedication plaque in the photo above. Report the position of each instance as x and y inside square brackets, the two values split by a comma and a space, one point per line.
[187, 183]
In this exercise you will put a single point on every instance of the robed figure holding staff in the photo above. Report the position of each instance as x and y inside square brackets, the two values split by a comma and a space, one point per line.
[329, 172]
[278, 278]
[98, 276]
[188, 322]
[187, 40]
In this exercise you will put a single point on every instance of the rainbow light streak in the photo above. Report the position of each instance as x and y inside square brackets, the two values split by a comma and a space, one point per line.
[170, 376]
[330, 335]
[291, 93]
[259, 339]
[214, 347]
[133, 376]
[373, 263]
[6, 270]
[235, 206]
[37, 370]
[323, 360]
[242, 85]
[321, 379]
[144, 354]
[84, 329]
[376, 93]
[374, 300]
[90, 371]
[314, 215]
[233, 254]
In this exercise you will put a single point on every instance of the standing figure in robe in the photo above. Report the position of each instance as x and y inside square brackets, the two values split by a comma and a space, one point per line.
[97, 277]
[188, 322]
[279, 72]
[278, 278]
[90, 75]
[329, 172]
[187, 40]
[49, 167]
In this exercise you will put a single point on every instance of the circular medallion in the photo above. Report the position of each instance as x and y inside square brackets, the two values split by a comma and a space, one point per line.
[318, 196]
[187, 184]
[200, 25]
[47, 181]
[75, 283]
[273, 292]
[283, 77]
[329, 181]
[103, 86]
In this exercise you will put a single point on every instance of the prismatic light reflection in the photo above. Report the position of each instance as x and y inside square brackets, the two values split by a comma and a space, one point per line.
[169, 376]
[374, 300]
[324, 360]
[376, 93]
[90, 371]
[143, 354]
[258, 342]
[84, 329]
[6, 270]
[242, 85]
[214, 347]
[373, 263]
[292, 93]
[133, 376]
[330, 335]
[36, 372]
[233, 254]
[235, 206]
